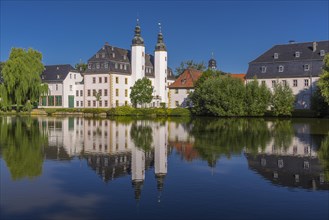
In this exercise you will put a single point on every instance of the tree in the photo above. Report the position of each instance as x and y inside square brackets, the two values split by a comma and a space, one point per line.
[323, 82]
[81, 67]
[21, 77]
[141, 92]
[189, 64]
[257, 98]
[220, 96]
[282, 100]
[98, 97]
[209, 74]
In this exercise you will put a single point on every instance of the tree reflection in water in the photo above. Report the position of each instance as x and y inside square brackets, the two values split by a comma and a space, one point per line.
[21, 144]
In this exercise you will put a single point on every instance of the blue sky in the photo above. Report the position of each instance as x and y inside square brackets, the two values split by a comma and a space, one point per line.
[236, 31]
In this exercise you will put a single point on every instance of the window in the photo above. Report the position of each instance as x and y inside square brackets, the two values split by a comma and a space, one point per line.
[105, 79]
[280, 163]
[105, 92]
[126, 92]
[58, 100]
[116, 79]
[176, 103]
[297, 54]
[284, 82]
[276, 55]
[306, 67]
[81, 93]
[77, 93]
[94, 79]
[88, 92]
[116, 102]
[117, 92]
[322, 53]
[50, 100]
[273, 83]
[77, 103]
[306, 82]
[56, 87]
[263, 69]
[71, 87]
[94, 103]
[100, 79]
[281, 68]
[126, 80]
[176, 91]
[105, 103]
[295, 84]
[97, 66]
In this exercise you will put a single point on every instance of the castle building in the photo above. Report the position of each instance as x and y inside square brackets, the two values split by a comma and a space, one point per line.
[297, 65]
[112, 71]
[62, 81]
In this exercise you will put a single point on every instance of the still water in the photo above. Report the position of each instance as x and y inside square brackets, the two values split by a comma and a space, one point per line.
[203, 168]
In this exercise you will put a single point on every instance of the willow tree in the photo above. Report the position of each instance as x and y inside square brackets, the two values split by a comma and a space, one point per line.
[21, 76]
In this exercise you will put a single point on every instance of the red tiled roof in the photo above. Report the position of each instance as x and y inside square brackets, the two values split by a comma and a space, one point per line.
[241, 76]
[187, 79]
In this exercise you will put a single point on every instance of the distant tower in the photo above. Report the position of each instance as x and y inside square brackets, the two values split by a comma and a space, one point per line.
[212, 63]
[137, 56]
[160, 68]
[160, 157]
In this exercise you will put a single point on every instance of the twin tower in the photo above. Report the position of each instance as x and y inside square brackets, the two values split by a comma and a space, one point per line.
[160, 63]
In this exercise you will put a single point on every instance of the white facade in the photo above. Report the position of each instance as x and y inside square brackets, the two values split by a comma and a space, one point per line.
[302, 88]
[179, 98]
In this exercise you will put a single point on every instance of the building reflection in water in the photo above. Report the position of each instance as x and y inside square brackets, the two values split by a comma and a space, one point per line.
[287, 157]
[293, 165]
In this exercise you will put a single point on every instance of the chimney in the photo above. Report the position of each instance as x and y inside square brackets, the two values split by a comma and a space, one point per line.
[314, 46]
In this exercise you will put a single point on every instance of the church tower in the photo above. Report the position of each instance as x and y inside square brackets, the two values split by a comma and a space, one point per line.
[212, 65]
[160, 69]
[137, 56]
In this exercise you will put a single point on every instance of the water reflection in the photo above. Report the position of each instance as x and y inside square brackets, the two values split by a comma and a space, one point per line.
[286, 152]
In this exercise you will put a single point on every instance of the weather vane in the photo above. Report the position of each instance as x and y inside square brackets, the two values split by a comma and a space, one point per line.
[159, 26]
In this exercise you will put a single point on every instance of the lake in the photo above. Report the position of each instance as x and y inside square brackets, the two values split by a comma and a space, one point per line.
[200, 168]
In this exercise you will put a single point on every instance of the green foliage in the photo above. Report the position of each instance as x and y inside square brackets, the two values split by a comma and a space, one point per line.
[81, 67]
[189, 64]
[324, 156]
[178, 112]
[318, 104]
[21, 143]
[141, 135]
[141, 92]
[282, 100]
[220, 96]
[21, 76]
[209, 74]
[323, 82]
[257, 98]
